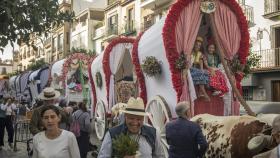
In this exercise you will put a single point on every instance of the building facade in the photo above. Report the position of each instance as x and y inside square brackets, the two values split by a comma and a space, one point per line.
[264, 82]
[89, 17]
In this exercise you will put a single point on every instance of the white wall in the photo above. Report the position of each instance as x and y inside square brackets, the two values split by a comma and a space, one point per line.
[261, 23]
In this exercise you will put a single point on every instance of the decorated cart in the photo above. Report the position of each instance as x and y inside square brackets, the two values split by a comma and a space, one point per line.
[37, 81]
[172, 62]
[70, 77]
[114, 80]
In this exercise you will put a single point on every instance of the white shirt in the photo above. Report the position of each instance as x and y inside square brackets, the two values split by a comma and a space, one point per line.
[8, 109]
[64, 146]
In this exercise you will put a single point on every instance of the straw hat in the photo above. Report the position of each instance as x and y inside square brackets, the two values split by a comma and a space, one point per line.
[200, 39]
[258, 143]
[49, 93]
[135, 107]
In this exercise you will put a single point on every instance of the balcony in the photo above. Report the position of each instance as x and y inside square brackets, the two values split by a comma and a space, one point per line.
[271, 9]
[249, 13]
[129, 28]
[112, 30]
[148, 22]
[99, 32]
[270, 60]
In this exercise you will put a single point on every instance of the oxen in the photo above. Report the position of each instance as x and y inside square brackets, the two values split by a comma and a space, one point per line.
[228, 136]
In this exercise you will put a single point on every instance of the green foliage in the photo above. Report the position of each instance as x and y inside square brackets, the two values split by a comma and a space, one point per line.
[123, 145]
[82, 50]
[253, 61]
[151, 66]
[181, 62]
[35, 65]
[20, 18]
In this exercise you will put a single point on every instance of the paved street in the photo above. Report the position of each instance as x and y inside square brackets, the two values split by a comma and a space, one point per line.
[21, 152]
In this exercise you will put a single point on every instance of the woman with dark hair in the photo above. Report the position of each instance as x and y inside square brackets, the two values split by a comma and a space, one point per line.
[83, 117]
[54, 142]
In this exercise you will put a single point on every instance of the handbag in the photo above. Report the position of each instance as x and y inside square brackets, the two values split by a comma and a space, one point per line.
[2, 113]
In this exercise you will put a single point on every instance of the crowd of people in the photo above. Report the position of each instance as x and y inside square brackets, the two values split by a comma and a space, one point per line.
[52, 120]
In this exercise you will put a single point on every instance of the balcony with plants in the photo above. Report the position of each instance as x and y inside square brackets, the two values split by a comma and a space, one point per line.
[269, 61]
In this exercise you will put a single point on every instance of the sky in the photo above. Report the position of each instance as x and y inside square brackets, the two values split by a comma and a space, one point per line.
[7, 54]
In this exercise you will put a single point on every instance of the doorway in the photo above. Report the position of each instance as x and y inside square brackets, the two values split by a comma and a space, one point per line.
[275, 91]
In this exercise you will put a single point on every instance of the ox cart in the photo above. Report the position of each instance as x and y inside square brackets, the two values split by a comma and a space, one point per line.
[171, 42]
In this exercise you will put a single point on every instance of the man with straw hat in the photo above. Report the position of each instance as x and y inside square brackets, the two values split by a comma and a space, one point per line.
[147, 138]
[275, 139]
[49, 96]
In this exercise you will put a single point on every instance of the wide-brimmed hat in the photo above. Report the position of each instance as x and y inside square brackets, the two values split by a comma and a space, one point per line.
[258, 143]
[135, 107]
[200, 39]
[49, 93]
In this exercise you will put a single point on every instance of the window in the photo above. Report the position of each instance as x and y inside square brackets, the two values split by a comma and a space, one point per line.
[60, 42]
[113, 25]
[54, 44]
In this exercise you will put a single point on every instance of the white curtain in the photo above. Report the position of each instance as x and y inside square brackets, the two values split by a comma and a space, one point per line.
[116, 58]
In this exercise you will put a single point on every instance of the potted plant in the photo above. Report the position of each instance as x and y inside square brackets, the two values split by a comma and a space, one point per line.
[124, 147]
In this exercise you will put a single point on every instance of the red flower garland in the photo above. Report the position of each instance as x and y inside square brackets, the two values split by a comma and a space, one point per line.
[139, 73]
[106, 58]
[67, 62]
[92, 83]
[170, 40]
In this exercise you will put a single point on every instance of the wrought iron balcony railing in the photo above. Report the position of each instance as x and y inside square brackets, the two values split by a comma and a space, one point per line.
[112, 30]
[270, 59]
[130, 27]
[249, 13]
[271, 6]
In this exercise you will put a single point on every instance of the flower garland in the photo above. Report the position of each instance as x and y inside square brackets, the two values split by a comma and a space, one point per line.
[139, 73]
[169, 38]
[67, 63]
[106, 58]
[93, 92]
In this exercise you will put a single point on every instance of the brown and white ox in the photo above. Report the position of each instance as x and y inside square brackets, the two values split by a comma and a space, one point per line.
[228, 136]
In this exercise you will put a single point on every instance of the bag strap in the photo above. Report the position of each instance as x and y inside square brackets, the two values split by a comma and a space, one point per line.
[78, 116]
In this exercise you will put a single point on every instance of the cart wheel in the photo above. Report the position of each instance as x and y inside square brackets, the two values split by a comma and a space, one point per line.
[158, 115]
[100, 122]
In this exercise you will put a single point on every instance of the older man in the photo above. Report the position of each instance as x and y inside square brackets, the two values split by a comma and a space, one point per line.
[49, 96]
[184, 137]
[147, 137]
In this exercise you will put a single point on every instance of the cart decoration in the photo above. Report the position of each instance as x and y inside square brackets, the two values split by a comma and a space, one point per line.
[151, 66]
[139, 73]
[109, 77]
[192, 8]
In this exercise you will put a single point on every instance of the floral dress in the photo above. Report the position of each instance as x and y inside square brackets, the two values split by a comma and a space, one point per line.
[216, 81]
[200, 77]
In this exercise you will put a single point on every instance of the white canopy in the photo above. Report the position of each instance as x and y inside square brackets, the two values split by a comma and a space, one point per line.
[151, 44]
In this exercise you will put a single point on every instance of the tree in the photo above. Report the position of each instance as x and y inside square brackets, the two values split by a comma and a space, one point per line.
[36, 64]
[21, 18]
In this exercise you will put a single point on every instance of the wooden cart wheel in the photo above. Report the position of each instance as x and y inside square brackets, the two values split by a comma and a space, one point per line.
[100, 120]
[158, 115]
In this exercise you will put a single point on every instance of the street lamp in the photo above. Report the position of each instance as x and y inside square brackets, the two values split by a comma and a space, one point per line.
[260, 37]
